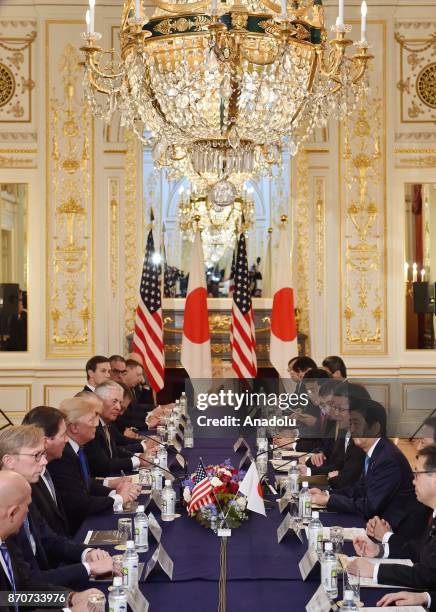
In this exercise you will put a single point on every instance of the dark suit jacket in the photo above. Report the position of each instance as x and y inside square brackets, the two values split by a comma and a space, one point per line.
[53, 512]
[80, 498]
[349, 464]
[25, 578]
[422, 552]
[133, 416]
[133, 446]
[86, 388]
[386, 490]
[100, 461]
[52, 550]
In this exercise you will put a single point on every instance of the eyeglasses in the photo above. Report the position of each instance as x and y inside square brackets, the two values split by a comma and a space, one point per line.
[120, 372]
[417, 472]
[36, 456]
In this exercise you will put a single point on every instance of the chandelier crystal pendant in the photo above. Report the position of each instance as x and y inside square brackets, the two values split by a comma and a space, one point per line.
[223, 89]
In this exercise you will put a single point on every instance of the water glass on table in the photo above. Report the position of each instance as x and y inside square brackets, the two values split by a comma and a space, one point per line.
[117, 569]
[337, 538]
[124, 529]
[96, 603]
[145, 477]
[351, 582]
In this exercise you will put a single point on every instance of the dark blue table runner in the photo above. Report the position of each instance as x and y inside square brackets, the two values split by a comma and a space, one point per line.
[262, 575]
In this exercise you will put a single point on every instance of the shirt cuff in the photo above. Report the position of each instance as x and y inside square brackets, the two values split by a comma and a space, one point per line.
[386, 537]
[375, 573]
[118, 501]
[84, 553]
[136, 462]
[87, 567]
[385, 551]
[144, 445]
[428, 601]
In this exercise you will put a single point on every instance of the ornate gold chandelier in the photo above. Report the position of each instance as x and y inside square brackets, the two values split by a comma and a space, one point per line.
[222, 88]
[219, 226]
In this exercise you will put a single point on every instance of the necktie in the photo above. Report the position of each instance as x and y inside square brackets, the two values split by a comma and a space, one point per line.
[108, 438]
[7, 559]
[46, 476]
[83, 464]
[29, 535]
[367, 460]
[347, 441]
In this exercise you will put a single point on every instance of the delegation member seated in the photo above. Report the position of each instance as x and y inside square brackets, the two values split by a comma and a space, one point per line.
[340, 459]
[52, 557]
[15, 574]
[422, 575]
[385, 487]
[103, 455]
[81, 495]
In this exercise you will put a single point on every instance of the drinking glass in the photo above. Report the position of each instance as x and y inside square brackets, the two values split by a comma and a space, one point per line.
[162, 433]
[337, 538]
[351, 582]
[96, 602]
[145, 477]
[117, 569]
[125, 529]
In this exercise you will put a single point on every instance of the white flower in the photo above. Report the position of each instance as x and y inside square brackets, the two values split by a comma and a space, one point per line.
[215, 482]
[242, 502]
[187, 495]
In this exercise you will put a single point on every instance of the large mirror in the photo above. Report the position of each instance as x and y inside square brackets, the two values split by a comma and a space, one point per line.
[13, 267]
[420, 265]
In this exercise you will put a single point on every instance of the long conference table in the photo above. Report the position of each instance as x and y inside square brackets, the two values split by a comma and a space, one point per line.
[262, 575]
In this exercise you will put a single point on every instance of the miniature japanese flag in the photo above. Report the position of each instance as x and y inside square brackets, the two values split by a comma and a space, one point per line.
[252, 489]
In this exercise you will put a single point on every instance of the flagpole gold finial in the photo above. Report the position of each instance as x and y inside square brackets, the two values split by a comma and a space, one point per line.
[270, 230]
[284, 219]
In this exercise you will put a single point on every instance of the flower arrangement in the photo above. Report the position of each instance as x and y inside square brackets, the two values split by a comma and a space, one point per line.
[225, 481]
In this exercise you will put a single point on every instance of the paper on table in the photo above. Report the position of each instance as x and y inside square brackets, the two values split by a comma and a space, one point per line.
[349, 533]
[397, 609]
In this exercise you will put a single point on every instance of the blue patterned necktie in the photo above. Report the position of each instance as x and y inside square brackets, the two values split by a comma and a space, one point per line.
[7, 559]
[367, 460]
[83, 464]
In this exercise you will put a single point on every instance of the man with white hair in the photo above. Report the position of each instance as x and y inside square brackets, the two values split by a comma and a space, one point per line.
[52, 557]
[104, 456]
[15, 575]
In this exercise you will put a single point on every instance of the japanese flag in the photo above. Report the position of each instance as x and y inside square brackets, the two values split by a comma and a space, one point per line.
[252, 489]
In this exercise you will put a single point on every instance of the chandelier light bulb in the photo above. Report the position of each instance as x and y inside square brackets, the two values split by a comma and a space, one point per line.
[340, 19]
[91, 15]
[88, 22]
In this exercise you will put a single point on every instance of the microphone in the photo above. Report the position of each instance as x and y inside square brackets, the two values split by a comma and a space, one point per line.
[277, 447]
[174, 478]
[315, 450]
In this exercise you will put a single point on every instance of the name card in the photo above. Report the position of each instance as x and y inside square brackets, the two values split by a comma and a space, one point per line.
[154, 527]
[137, 601]
[283, 503]
[283, 528]
[180, 433]
[308, 562]
[174, 442]
[154, 498]
[162, 558]
[320, 602]
[224, 533]
[240, 442]
[245, 457]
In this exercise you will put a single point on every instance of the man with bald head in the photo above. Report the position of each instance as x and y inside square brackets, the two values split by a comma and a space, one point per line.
[15, 574]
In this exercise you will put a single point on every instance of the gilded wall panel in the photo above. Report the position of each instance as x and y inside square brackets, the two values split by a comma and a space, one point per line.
[362, 189]
[16, 70]
[70, 197]
[301, 250]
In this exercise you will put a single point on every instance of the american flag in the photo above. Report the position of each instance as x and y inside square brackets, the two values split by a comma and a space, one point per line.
[200, 495]
[242, 336]
[148, 334]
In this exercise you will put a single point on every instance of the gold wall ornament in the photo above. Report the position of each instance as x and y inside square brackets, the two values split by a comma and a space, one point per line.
[131, 279]
[363, 233]
[417, 73]
[426, 85]
[16, 80]
[70, 195]
[319, 232]
[114, 216]
[302, 243]
[7, 84]
[425, 161]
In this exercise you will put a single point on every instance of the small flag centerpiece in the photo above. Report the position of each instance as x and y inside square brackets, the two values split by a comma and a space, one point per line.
[211, 496]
